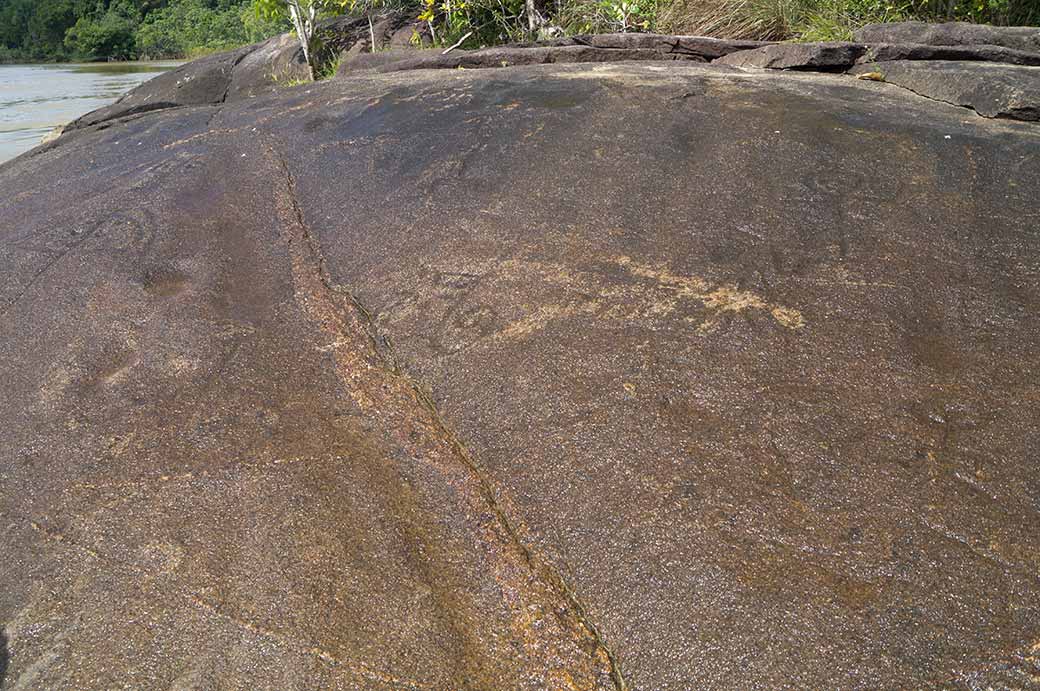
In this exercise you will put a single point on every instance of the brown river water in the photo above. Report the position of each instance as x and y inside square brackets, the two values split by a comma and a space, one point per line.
[34, 99]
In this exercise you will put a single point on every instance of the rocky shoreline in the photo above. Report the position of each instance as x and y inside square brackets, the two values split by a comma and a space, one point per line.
[972, 65]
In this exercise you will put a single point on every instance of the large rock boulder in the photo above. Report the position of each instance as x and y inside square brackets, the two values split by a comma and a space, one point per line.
[839, 55]
[242, 73]
[591, 48]
[827, 56]
[993, 91]
[651, 376]
[700, 47]
[200, 82]
[952, 34]
[403, 61]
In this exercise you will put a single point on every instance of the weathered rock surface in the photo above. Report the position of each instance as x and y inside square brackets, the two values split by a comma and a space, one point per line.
[531, 378]
[512, 57]
[884, 52]
[254, 70]
[1025, 38]
[693, 46]
[785, 56]
[592, 48]
[994, 91]
[203, 81]
[242, 73]
[357, 60]
[839, 56]
[279, 61]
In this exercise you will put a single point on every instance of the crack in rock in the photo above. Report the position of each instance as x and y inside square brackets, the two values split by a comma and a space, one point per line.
[556, 635]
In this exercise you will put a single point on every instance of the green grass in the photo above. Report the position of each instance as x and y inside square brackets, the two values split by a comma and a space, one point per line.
[826, 20]
[328, 68]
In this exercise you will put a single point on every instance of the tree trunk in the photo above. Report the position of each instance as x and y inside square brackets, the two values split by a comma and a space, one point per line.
[303, 25]
[532, 15]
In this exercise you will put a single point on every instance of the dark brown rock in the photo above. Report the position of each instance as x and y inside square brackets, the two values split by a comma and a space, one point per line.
[357, 60]
[801, 56]
[387, 28]
[276, 61]
[839, 56]
[511, 57]
[885, 52]
[280, 61]
[592, 48]
[242, 73]
[694, 46]
[1025, 38]
[529, 378]
[203, 81]
[413, 34]
[993, 91]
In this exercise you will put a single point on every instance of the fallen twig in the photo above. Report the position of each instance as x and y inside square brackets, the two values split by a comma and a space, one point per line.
[457, 43]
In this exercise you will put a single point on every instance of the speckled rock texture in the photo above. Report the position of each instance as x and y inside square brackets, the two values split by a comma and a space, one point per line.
[952, 34]
[652, 376]
[203, 81]
[993, 91]
[838, 56]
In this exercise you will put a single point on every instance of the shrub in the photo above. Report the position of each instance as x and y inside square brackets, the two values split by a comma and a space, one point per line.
[186, 28]
[111, 35]
[604, 16]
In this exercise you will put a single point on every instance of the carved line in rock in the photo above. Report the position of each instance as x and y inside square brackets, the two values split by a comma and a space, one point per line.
[557, 636]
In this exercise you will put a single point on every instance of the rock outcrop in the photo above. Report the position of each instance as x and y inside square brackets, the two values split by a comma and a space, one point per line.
[840, 56]
[659, 375]
[255, 70]
[993, 80]
[993, 91]
[1025, 38]
[593, 48]
[242, 73]
[204, 81]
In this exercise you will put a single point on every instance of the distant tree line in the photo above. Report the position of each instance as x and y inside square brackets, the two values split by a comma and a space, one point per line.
[59, 30]
[50, 30]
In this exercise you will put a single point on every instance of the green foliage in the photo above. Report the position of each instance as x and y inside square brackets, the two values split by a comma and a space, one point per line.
[258, 28]
[487, 21]
[605, 16]
[820, 20]
[327, 68]
[121, 29]
[277, 10]
[302, 15]
[1008, 12]
[835, 20]
[193, 27]
[109, 34]
[118, 29]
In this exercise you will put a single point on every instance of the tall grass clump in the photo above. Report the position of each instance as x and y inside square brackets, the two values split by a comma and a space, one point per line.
[777, 20]
[828, 20]
[476, 23]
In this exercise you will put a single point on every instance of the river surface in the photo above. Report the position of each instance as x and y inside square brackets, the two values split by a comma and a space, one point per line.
[34, 99]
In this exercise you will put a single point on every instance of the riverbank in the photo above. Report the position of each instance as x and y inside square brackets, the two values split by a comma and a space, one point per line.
[179, 58]
[37, 98]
